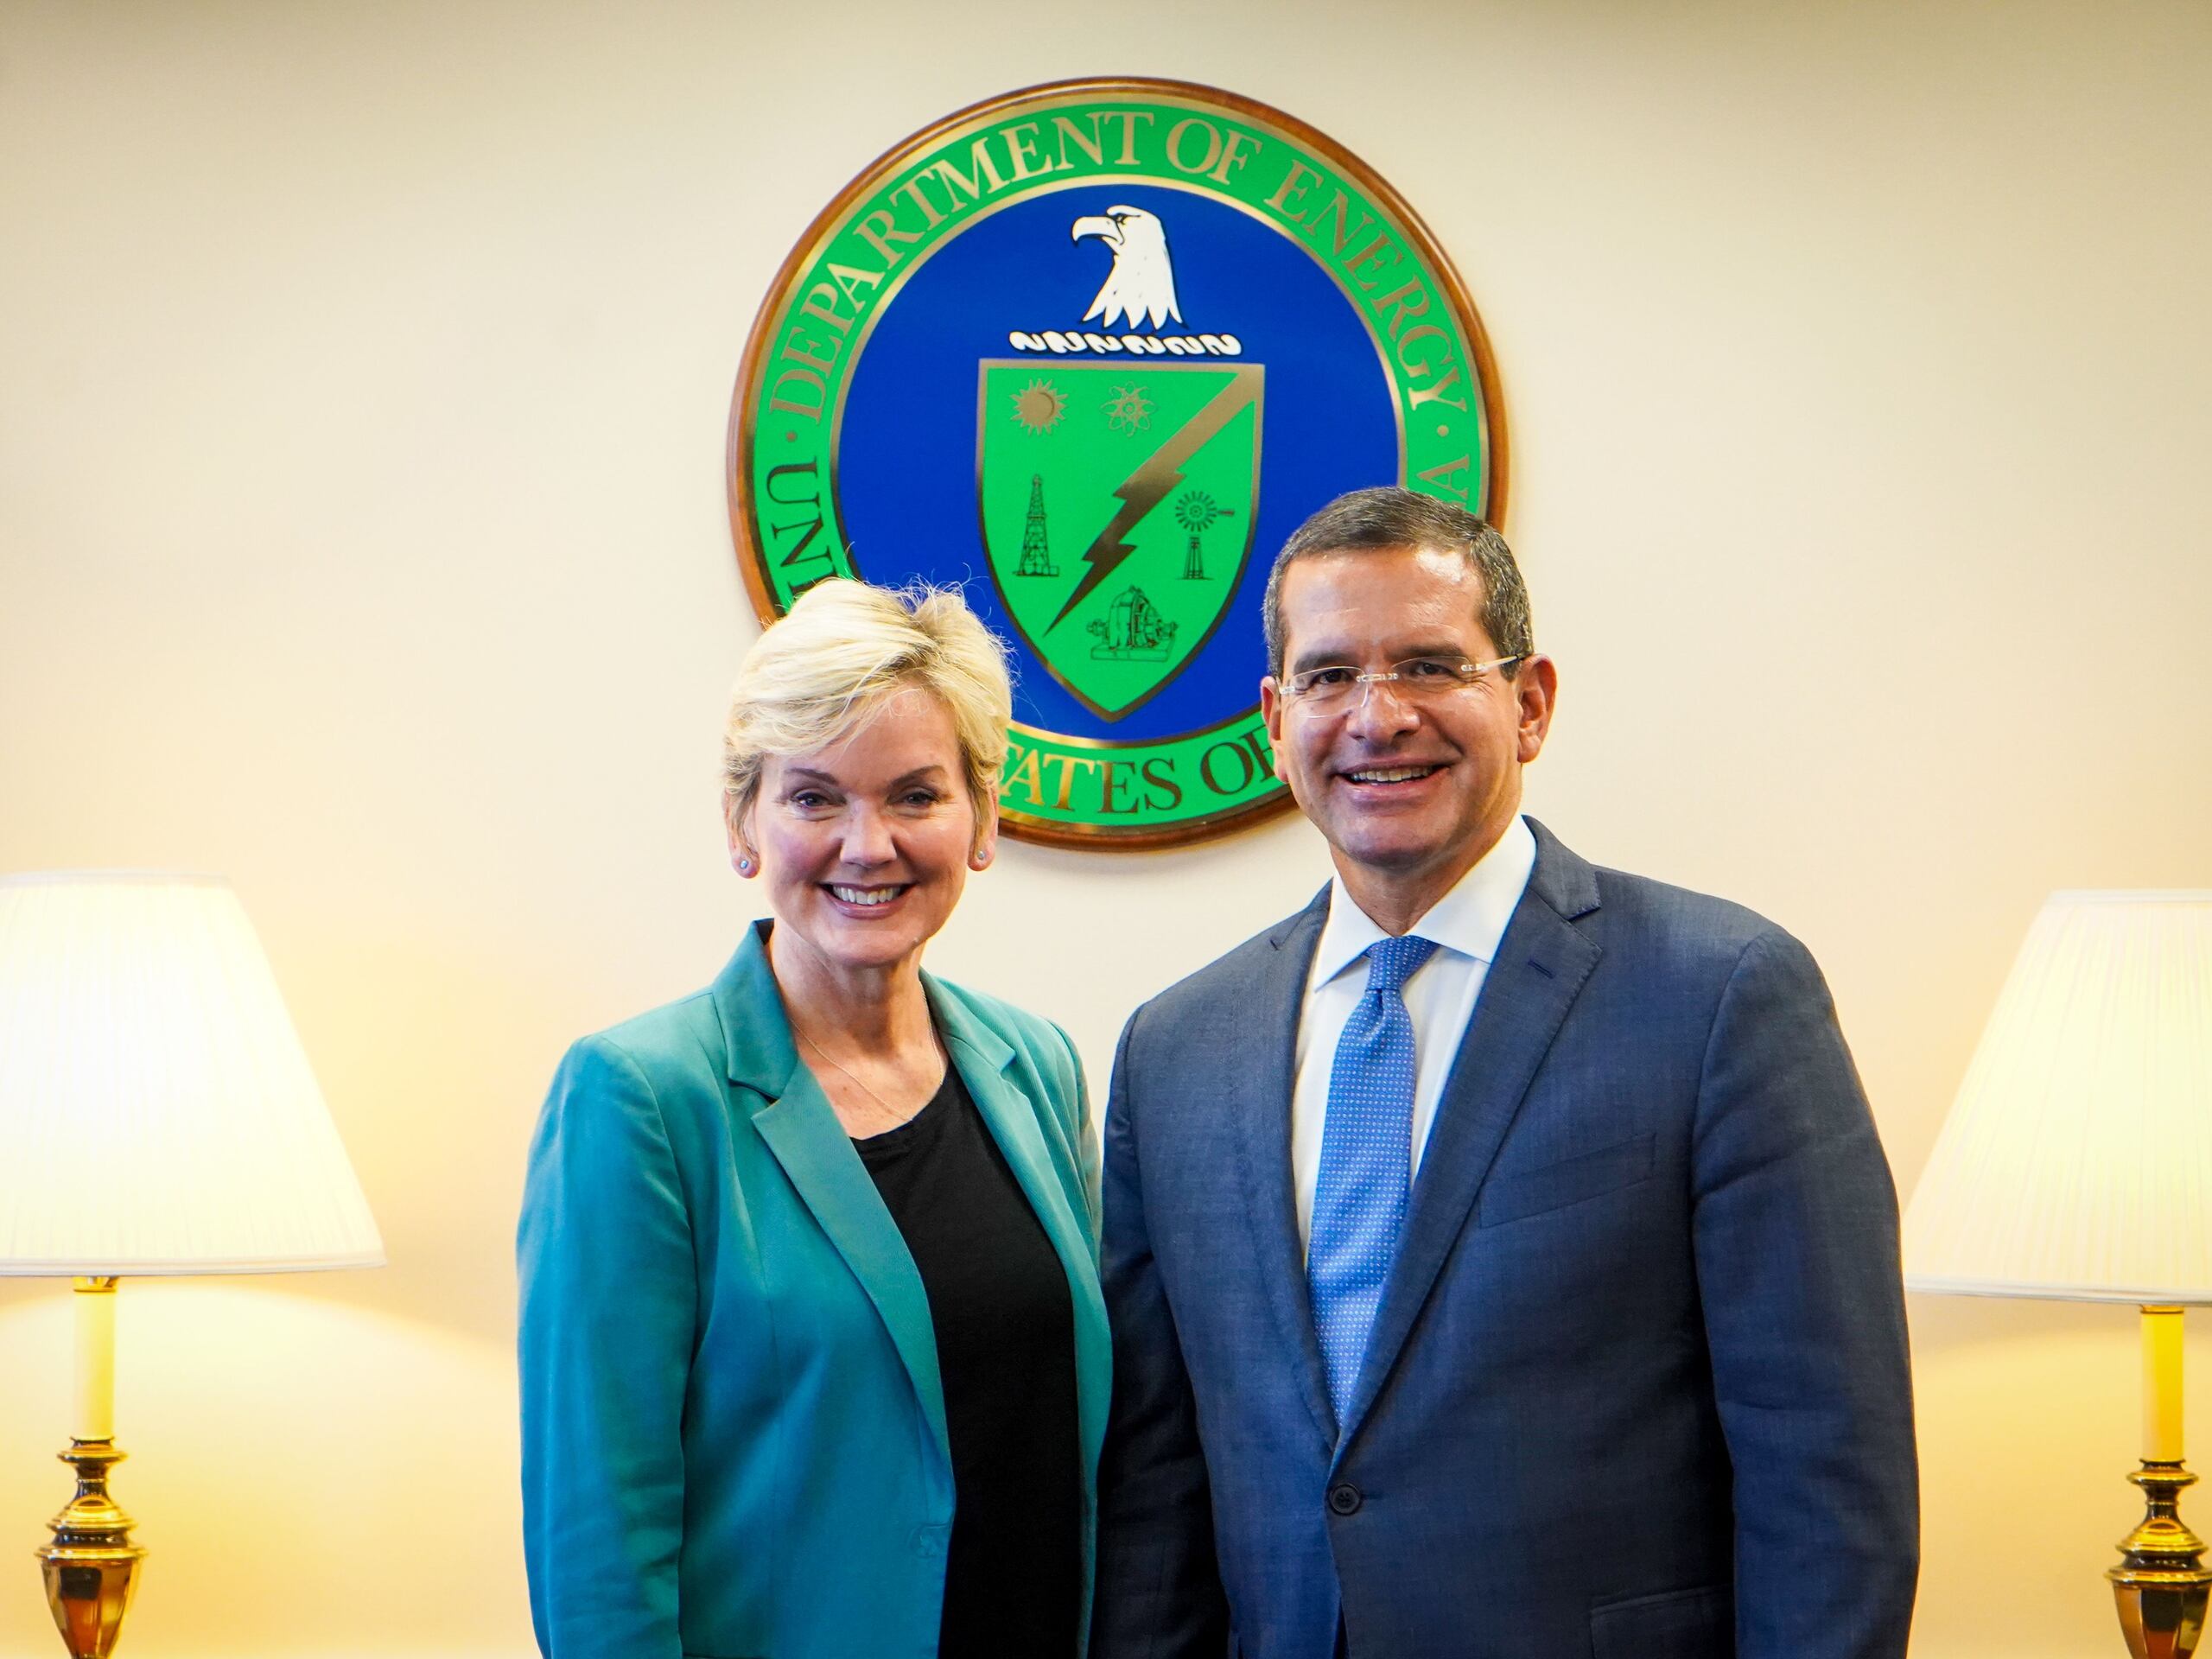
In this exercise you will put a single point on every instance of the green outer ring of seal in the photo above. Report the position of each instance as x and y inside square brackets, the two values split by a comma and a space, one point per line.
[785, 416]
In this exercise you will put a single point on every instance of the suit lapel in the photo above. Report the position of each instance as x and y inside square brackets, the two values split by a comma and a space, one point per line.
[800, 1129]
[983, 1057]
[1542, 962]
[1258, 1101]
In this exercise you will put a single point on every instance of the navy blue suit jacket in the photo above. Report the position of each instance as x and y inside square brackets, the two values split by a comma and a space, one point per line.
[1638, 1382]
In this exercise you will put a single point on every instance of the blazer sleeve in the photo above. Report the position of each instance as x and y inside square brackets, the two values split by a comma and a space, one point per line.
[1796, 1237]
[607, 1318]
[1158, 1592]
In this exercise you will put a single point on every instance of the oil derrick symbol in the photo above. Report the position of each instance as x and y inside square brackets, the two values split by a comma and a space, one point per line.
[1194, 511]
[1036, 554]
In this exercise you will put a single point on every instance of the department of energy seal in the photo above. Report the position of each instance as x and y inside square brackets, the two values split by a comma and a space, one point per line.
[1092, 350]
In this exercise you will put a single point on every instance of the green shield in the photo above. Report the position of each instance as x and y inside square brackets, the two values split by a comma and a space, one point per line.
[1118, 501]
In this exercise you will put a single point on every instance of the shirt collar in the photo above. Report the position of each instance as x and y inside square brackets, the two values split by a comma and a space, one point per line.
[1470, 918]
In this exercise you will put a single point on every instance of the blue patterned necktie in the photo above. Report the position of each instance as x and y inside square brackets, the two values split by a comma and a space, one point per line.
[1367, 1143]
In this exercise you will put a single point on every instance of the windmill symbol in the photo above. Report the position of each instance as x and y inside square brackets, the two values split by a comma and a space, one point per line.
[1194, 511]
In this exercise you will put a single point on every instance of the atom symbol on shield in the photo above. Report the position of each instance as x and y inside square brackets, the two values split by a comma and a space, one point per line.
[1128, 410]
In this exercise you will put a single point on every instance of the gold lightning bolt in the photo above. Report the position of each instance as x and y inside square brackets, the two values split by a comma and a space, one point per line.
[1145, 488]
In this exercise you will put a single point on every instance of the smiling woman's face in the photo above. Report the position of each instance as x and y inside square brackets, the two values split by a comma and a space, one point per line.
[866, 843]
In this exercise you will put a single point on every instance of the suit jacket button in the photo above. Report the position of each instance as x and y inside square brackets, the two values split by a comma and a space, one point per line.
[1345, 1499]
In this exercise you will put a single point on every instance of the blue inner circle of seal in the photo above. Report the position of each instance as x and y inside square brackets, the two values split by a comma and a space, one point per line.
[907, 447]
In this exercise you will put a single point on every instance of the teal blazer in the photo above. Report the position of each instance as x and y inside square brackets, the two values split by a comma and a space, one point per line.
[733, 1430]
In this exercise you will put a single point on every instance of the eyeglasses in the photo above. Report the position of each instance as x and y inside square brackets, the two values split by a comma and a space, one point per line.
[1418, 680]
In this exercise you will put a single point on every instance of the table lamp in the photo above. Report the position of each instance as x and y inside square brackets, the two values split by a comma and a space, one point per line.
[157, 1115]
[2076, 1164]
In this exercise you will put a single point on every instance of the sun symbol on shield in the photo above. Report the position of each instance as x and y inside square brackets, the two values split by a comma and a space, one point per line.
[1038, 406]
[1129, 409]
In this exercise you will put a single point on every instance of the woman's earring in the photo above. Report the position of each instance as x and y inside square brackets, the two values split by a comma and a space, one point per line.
[744, 865]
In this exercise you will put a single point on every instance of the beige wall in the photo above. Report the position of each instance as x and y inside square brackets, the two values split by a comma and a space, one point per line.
[363, 371]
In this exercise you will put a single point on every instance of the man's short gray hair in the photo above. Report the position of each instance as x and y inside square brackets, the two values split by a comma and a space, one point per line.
[1391, 516]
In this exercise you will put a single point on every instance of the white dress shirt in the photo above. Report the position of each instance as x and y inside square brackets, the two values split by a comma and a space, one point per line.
[1467, 924]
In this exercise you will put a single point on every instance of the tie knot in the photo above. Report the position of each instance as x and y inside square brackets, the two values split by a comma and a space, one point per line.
[1391, 963]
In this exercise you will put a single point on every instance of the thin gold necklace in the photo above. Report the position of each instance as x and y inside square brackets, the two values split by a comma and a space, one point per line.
[903, 1117]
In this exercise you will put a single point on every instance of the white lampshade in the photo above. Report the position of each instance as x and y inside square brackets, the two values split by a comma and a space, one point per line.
[2077, 1162]
[157, 1115]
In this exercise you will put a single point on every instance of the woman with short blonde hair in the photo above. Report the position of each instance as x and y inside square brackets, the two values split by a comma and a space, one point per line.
[814, 1359]
[843, 647]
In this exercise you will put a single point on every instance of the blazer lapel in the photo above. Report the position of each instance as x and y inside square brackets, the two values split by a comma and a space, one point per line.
[983, 1057]
[795, 1120]
[1542, 963]
[1258, 1103]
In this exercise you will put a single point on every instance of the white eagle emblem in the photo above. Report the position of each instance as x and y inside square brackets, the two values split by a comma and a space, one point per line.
[1141, 284]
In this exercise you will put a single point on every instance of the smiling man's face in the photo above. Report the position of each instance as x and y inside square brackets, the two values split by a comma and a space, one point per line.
[1409, 791]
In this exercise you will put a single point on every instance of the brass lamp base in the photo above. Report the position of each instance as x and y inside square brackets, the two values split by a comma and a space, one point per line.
[2161, 1583]
[91, 1566]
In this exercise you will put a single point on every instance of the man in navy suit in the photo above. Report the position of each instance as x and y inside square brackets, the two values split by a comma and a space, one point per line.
[1501, 1259]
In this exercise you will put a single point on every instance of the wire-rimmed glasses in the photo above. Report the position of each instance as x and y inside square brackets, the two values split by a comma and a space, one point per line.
[1337, 689]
